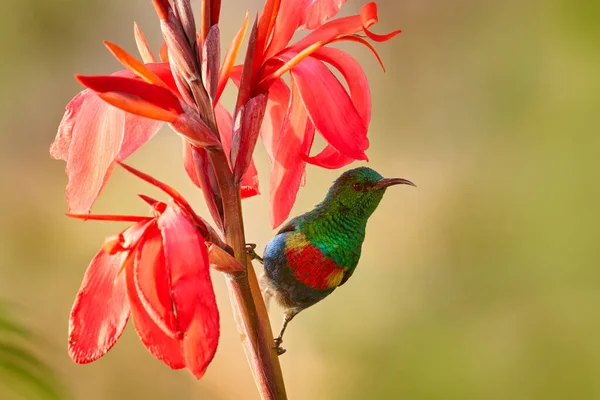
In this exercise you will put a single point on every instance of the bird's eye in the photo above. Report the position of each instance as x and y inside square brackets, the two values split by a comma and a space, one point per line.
[358, 187]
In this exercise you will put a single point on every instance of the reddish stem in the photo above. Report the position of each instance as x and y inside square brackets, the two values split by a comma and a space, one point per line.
[248, 306]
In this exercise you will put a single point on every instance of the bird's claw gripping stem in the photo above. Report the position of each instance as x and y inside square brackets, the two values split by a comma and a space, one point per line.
[280, 350]
[250, 250]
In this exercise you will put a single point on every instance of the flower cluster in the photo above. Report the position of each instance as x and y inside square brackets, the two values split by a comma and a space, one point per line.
[157, 270]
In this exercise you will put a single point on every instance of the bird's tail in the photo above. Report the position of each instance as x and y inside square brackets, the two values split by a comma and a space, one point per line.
[265, 290]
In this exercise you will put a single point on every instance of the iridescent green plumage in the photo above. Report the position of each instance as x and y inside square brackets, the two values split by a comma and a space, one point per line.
[317, 251]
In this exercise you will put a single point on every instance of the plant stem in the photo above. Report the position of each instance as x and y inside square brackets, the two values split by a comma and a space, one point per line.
[248, 306]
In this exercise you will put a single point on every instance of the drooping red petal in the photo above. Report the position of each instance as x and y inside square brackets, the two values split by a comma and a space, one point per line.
[244, 140]
[328, 32]
[328, 103]
[358, 39]
[96, 136]
[59, 149]
[287, 170]
[135, 96]
[151, 279]
[319, 12]
[331, 30]
[88, 137]
[137, 132]
[294, 60]
[249, 185]
[191, 288]
[275, 112]
[368, 17]
[159, 344]
[142, 45]
[328, 158]
[355, 78]
[100, 312]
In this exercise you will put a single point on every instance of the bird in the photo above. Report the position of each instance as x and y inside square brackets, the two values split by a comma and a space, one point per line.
[314, 253]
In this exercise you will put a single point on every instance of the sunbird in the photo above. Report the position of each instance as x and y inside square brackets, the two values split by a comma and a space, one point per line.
[314, 253]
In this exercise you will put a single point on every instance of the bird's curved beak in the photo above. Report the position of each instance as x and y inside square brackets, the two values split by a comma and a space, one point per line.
[385, 182]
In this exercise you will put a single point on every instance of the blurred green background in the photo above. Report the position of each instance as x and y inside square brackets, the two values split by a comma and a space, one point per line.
[483, 284]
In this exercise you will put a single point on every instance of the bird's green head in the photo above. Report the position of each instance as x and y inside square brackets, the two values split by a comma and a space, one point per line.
[360, 190]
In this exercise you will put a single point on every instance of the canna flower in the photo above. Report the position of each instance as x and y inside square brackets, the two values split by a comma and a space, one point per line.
[317, 100]
[117, 114]
[157, 272]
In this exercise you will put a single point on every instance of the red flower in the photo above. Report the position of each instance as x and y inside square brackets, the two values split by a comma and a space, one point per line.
[157, 271]
[317, 99]
[93, 134]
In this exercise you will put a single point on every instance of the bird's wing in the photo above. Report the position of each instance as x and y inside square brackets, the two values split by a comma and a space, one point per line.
[287, 227]
[347, 274]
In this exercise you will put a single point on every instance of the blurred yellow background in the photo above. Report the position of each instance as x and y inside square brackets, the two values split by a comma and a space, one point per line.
[482, 284]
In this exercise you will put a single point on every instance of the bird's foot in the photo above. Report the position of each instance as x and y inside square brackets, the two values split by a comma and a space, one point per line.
[250, 250]
[280, 350]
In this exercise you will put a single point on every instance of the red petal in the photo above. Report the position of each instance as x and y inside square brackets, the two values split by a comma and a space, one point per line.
[100, 312]
[319, 12]
[368, 17]
[162, 8]
[191, 288]
[96, 138]
[290, 15]
[355, 78]
[161, 69]
[142, 44]
[151, 280]
[90, 135]
[329, 158]
[328, 103]
[328, 32]
[137, 132]
[160, 345]
[275, 112]
[163, 52]
[133, 64]
[59, 149]
[175, 195]
[343, 26]
[189, 164]
[135, 96]
[249, 184]
[215, 11]
[250, 180]
[287, 171]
